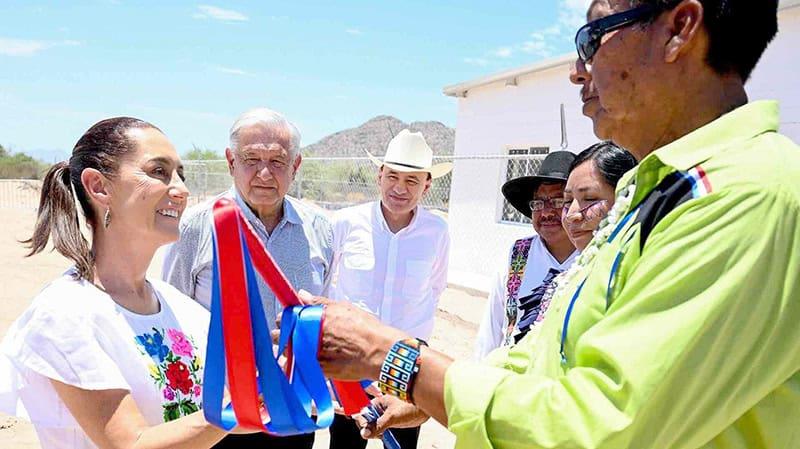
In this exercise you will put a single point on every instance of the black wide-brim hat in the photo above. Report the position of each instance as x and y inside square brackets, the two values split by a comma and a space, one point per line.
[519, 191]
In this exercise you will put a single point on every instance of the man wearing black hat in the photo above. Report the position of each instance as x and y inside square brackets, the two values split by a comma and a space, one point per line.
[516, 293]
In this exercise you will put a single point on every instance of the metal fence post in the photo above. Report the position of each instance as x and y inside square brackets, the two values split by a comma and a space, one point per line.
[205, 179]
[299, 180]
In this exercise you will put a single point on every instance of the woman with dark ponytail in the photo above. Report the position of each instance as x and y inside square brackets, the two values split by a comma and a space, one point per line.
[58, 218]
[105, 357]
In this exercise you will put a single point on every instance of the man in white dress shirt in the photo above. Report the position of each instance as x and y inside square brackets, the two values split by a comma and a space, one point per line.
[390, 256]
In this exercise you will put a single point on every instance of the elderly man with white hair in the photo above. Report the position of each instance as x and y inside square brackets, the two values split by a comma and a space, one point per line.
[263, 158]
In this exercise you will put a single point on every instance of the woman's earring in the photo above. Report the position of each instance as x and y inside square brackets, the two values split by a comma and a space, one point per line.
[107, 218]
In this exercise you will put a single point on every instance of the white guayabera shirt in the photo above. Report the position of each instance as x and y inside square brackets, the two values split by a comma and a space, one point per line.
[396, 276]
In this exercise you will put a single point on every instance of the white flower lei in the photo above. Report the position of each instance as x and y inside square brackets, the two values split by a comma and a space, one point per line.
[599, 239]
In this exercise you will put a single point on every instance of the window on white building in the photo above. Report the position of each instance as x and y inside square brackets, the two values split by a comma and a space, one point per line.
[516, 166]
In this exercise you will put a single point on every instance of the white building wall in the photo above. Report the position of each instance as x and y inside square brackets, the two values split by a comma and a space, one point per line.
[778, 74]
[493, 116]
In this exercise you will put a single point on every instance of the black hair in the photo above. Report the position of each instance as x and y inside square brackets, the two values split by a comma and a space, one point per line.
[102, 147]
[611, 161]
[739, 31]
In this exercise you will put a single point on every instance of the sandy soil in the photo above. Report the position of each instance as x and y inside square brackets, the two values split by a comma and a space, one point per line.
[454, 334]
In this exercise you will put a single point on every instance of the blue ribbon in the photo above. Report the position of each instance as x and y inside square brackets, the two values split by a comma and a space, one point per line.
[289, 403]
[372, 413]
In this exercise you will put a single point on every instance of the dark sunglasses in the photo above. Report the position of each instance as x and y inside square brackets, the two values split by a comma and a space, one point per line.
[587, 40]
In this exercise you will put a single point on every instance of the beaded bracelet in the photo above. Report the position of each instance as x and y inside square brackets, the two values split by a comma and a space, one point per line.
[400, 367]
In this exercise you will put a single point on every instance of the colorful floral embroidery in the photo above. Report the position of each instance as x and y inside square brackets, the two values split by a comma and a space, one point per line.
[154, 345]
[176, 370]
[178, 377]
[169, 394]
[180, 345]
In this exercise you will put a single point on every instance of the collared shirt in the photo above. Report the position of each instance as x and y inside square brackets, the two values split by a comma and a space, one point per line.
[683, 332]
[300, 245]
[396, 276]
[540, 269]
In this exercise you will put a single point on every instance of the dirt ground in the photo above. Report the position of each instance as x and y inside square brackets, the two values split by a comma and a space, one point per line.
[454, 333]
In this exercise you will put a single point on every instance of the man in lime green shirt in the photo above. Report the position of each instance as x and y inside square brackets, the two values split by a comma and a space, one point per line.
[680, 325]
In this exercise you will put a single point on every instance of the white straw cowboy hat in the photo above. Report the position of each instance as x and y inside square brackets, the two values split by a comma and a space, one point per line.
[407, 152]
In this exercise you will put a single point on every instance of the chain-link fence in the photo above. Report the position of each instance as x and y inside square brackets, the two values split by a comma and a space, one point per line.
[20, 193]
[337, 182]
[329, 182]
[206, 179]
[482, 225]
[334, 183]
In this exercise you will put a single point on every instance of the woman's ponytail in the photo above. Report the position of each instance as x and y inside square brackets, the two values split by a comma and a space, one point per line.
[58, 218]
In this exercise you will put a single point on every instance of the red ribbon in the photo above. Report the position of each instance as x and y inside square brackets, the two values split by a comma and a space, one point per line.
[240, 348]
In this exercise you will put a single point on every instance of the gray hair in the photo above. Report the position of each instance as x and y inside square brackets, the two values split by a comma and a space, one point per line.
[271, 120]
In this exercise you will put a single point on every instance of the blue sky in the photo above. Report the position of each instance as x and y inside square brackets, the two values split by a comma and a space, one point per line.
[192, 67]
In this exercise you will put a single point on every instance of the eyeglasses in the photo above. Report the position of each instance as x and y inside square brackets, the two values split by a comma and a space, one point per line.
[550, 203]
[587, 40]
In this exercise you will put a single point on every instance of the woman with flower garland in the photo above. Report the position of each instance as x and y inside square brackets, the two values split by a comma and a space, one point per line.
[105, 357]
[588, 196]
[589, 193]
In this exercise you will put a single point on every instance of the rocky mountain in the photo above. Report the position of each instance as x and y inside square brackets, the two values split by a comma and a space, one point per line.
[375, 134]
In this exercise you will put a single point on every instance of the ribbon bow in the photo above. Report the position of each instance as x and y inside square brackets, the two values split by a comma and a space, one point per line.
[262, 395]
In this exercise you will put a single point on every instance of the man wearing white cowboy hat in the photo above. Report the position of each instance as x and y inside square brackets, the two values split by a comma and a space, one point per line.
[390, 256]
